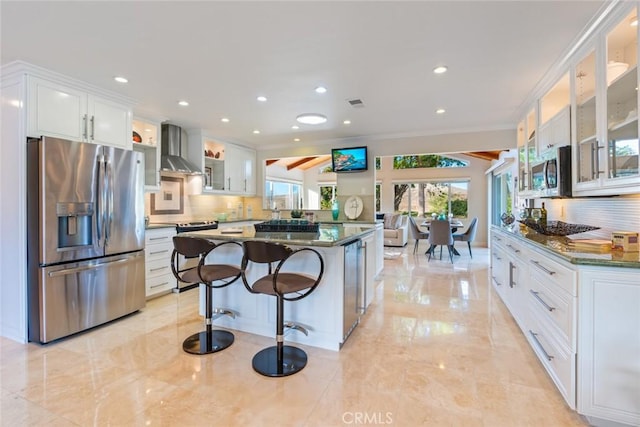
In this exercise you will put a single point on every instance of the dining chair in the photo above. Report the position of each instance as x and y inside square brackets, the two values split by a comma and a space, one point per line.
[416, 233]
[440, 235]
[469, 235]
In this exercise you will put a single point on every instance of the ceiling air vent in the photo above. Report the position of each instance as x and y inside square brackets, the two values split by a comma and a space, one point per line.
[356, 103]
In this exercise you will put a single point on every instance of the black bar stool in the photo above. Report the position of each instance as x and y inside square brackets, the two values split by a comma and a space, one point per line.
[209, 340]
[279, 360]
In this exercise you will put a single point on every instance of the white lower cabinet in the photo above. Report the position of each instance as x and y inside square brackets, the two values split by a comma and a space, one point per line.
[583, 323]
[609, 345]
[159, 279]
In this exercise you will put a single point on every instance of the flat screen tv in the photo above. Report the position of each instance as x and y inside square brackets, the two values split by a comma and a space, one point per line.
[352, 159]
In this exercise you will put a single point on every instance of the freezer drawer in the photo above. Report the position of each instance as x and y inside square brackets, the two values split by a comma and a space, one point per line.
[73, 297]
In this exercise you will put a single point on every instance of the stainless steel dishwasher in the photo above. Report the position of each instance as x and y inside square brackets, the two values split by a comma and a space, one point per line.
[353, 286]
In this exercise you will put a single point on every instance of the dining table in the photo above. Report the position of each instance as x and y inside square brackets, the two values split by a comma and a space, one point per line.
[453, 223]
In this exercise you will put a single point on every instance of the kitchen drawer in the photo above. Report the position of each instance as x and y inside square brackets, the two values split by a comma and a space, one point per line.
[558, 360]
[159, 235]
[157, 268]
[553, 304]
[158, 251]
[554, 273]
[159, 284]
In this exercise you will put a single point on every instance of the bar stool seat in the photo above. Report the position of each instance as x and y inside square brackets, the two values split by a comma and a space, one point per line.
[279, 360]
[212, 276]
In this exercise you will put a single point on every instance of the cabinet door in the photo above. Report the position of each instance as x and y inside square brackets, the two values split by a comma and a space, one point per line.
[149, 132]
[249, 161]
[234, 169]
[56, 110]
[609, 345]
[109, 123]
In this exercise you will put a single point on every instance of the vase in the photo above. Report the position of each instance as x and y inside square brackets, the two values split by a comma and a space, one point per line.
[335, 209]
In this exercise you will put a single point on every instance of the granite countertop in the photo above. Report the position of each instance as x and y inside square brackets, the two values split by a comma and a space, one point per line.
[154, 225]
[328, 235]
[557, 245]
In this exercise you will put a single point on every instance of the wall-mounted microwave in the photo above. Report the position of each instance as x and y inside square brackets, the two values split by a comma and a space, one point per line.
[552, 177]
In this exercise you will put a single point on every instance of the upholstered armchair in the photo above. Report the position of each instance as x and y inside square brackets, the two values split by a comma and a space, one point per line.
[396, 229]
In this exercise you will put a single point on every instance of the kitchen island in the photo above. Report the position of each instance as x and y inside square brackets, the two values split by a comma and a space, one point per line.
[332, 311]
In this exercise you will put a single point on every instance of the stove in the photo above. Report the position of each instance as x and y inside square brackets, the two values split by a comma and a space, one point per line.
[196, 226]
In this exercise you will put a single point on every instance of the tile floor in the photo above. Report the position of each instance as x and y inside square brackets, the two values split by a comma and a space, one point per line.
[436, 348]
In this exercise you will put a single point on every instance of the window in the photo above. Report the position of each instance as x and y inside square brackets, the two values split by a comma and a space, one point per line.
[426, 161]
[282, 195]
[426, 198]
[327, 194]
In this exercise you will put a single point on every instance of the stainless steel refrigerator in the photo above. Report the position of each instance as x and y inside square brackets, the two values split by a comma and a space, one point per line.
[85, 207]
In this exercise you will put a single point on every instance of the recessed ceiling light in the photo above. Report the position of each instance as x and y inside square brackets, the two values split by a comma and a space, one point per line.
[256, 131]
[183, 103]
[346, 122]
[295, 127]
[321, 89]
[311, 118]
[147, 130]
[224, 120]
[634, 21]
[262, 98]
[296, 139]
[440, 69]
[440, 111]
[120, 79]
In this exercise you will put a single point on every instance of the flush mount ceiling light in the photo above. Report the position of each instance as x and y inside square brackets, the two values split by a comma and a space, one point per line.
[440, 69]
[321, 89]
[262, 98]
[183, 103]
[311, 118]
[120, 79]
[440, 111]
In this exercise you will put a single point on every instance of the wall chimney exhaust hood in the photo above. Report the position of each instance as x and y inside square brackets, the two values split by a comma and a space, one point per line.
[172, 159]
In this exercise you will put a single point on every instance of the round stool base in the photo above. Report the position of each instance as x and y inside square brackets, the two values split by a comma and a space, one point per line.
[207, 342]
[265, 362]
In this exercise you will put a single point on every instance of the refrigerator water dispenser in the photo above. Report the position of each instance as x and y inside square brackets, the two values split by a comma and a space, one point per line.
[74, 224]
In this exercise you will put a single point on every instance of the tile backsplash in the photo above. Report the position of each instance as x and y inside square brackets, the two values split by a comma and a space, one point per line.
[610, 214]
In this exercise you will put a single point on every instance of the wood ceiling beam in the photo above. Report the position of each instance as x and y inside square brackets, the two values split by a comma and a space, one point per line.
[299, 162]
[271, 161]
[315, 162]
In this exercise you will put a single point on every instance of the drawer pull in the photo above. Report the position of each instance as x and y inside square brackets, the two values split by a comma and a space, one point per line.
[514, 249]
[539, 344]
[498, 239]
[159, 238]
[547, 306]
[159, 252]
[543, 268]
[495, 255]
[158, 285]
[496, 280]
[158, 268]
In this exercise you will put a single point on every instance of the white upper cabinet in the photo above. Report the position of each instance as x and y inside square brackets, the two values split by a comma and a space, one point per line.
[226, 168]
[63, 111]
[527, 148]
[146, 140]
[555, 122]
[606, 149]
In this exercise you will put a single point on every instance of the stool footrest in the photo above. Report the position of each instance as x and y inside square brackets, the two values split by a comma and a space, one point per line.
[297, 327]
[206, 342]
[221, 311]
[291, 360]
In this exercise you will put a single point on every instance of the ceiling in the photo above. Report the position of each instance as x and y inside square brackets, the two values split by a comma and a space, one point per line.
[219, 56]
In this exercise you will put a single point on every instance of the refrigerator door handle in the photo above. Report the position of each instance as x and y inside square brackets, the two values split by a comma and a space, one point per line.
[68, 271]
[109, 211]
[100, 212]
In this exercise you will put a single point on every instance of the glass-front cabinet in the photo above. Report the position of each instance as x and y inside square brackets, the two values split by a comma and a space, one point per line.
[527, 152]
[605, 91]
[146, 140]
[585, 119]
[622, 99]
[555, 121]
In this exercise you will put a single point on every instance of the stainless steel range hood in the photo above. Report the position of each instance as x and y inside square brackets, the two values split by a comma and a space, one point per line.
[171, 151]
